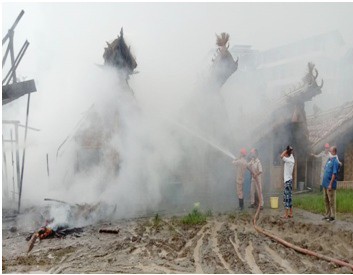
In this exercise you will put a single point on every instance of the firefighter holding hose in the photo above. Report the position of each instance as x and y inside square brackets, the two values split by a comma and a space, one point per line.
[241, 166]
[255, 168]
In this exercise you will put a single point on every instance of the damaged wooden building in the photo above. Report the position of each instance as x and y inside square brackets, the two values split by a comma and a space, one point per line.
[285, 124]
[335, 127]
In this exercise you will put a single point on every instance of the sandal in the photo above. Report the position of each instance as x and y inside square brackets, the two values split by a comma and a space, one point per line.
[290, 216]
[284, 217]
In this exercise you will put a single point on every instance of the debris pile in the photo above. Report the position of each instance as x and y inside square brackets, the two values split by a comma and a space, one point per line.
[76, 216]
[49, 230]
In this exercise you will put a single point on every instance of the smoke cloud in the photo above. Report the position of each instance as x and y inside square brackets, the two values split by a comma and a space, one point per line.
[170, 142]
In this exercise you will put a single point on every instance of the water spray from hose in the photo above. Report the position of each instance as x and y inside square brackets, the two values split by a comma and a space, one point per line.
[218, 147]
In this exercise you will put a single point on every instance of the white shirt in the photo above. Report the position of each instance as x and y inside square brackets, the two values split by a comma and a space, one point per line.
[288, 167]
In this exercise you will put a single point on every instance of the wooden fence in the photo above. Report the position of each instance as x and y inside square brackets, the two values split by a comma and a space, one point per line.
[344, 184]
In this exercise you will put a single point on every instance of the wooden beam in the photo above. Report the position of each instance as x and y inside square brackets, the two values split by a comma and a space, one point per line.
[14, 64]
[13, 26]
[10, 121]
[23, 155]
[13, 170]
[17, 157]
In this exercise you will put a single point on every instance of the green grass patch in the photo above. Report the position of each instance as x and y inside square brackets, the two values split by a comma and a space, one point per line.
[157, 220]
[195, 217]
[314, 202]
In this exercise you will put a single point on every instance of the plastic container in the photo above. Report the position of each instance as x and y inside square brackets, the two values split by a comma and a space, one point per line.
[274, 202]
[301, 186]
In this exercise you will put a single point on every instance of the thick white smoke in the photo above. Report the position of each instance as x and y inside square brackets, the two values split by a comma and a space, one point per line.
[167, 133]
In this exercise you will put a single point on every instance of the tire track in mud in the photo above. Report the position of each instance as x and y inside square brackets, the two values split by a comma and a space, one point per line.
[216, 226]
[190, 242]
[280, 261]
[222, 245]
[196, 254]
[236, 244]
[329, 247]
[249, 258]
[154, 268]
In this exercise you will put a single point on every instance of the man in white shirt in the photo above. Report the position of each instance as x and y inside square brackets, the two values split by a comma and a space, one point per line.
[287, 157]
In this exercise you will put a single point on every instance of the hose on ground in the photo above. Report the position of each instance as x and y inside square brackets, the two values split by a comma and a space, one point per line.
[288, 244]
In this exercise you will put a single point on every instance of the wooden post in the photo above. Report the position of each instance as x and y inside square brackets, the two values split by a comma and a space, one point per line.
[13, 171]
[23, 155]
[17, 157]
[6, 190]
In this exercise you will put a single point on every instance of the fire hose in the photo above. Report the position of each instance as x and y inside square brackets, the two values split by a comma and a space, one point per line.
[288, 244]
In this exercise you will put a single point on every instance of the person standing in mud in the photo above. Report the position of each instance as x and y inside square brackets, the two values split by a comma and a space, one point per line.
[324, 155]
[241, 166]
[287, 157]
[255, 168]
[329, 184]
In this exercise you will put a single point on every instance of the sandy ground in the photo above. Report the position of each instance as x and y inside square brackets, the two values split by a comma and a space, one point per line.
[227, 243]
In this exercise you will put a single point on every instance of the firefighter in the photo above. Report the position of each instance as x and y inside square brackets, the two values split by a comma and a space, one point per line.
[255, 168]
[241, 166]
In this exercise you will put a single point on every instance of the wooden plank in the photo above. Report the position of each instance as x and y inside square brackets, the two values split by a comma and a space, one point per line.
[15, 90]
[344, 184]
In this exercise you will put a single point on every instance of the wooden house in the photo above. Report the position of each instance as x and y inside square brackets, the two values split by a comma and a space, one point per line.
[334, 126]
[285, 124]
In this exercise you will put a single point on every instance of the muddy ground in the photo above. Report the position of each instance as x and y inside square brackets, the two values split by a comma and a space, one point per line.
[227, 243]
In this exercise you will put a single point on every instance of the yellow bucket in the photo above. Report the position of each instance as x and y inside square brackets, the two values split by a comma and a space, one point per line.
[274, 202]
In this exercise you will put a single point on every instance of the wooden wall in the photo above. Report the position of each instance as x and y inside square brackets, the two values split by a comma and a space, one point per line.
[348, 162]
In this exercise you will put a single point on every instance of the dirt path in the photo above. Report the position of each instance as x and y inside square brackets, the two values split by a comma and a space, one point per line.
[225, 244]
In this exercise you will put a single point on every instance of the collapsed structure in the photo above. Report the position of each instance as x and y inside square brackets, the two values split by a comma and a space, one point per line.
[13, 89]
[93, 133]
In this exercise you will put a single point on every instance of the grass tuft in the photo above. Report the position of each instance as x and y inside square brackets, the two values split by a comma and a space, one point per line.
[195, 217]
[157, 221]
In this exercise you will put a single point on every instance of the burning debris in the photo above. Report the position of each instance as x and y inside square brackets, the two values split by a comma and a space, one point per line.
[50, 231]
[223, 63]
[70, 220]
[118, 55]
